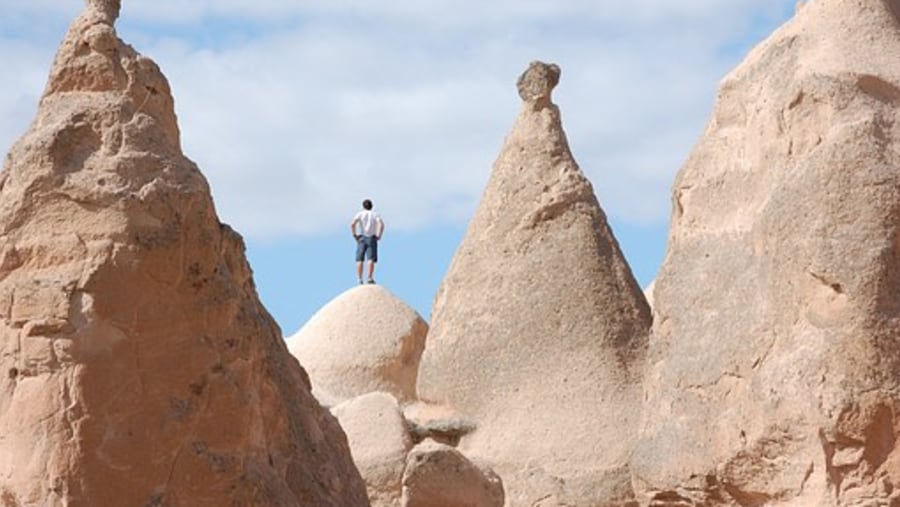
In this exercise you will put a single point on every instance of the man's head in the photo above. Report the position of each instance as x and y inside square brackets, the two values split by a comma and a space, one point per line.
[367, 204]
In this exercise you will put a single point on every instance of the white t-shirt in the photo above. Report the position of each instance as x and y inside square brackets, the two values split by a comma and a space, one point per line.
[369, 222]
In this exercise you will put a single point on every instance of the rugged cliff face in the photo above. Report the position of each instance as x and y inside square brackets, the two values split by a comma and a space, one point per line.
[138, 366]
[539, 330]
[776, 341]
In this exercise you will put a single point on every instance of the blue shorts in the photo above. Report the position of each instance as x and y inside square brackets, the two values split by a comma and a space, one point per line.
[367, 248]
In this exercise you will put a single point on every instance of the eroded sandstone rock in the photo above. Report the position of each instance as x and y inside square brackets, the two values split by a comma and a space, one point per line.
[138, 366]
[437, 475]
[776, 342]
[379, 441]
[363, 341]
[539, 330]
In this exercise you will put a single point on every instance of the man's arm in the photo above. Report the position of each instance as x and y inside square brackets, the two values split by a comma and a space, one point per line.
[381, 228]
[353, 227]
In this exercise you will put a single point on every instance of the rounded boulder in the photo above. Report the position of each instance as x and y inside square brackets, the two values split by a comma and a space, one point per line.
[363, 341]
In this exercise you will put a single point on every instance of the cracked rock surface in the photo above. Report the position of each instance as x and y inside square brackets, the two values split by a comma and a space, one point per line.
[138, 365]
[775, 351]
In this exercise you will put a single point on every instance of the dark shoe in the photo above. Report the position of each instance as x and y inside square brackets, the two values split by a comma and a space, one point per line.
[371, 280]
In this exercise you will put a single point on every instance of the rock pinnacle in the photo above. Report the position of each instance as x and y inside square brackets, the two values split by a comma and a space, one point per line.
[538, 81]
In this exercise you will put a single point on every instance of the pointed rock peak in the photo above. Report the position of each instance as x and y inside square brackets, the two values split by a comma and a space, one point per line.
[92, 58]
[143, 369]
[536, 84]
[539, 315]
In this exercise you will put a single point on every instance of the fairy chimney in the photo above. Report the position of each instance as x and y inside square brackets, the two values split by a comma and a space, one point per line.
[539, 329]
[773, 375]
[139, 367]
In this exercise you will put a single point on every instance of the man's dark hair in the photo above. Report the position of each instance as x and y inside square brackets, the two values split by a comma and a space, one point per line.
[367, 204]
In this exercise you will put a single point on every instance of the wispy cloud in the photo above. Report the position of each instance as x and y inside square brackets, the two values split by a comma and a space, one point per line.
[296, 110]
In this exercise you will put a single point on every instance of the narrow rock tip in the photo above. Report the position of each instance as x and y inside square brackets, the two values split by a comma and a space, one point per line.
[538, 81]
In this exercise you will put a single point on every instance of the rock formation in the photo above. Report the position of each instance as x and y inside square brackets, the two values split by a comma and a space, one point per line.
[648, 293]
[539, 329]
[776, 345]
[363, 341]
[367, 340]
[379, 441]
[437, 475]
[138, 366]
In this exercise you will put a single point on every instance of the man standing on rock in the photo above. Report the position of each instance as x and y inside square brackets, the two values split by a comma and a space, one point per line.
[371, 228]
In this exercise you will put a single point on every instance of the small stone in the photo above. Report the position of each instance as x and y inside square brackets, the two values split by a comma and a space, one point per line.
[539, 329]
[437, 475]
[139, 366]
[538, 81]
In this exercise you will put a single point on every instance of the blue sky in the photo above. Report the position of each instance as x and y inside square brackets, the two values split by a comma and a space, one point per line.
[297, 110]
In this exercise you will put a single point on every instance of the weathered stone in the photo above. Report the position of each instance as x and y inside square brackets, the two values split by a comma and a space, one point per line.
[539, 329]
[538, 81]
[438, 475]
[379, 441]
[365, 340]
[436, 422]
[138, 366]
[776, 342]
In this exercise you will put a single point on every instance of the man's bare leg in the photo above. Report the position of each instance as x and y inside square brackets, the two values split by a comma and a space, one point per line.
[359, 271]
[371, 271]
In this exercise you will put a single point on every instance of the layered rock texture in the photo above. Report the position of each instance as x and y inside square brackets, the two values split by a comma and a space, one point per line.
[539, 330]
[138, 366]
[776, 341]
[365, 340]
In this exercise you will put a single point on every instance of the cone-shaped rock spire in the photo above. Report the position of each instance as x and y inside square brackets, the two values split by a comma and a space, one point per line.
[539, 329]
[139, 367]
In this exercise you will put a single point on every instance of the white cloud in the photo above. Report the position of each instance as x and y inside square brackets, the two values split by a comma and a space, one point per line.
[296, 110]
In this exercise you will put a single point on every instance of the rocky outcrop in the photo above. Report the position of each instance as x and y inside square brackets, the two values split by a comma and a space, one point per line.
[365, 340]
[539, 329]
[379, 441]
[138, 365]
[775, 356]
[437, 475]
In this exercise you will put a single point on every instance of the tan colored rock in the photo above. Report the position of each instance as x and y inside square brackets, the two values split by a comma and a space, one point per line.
[437, 475]
[379, 442]
[437, 422]
[539, 329]
[138, 366]
[364, 340]
[648, 293]
[774, 377]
